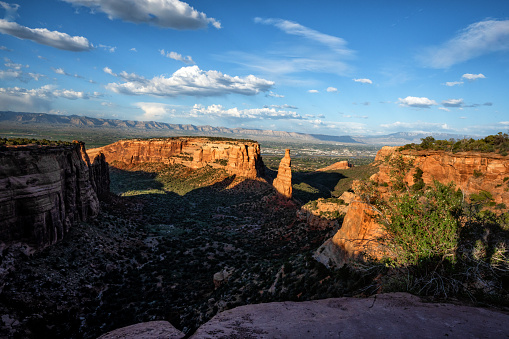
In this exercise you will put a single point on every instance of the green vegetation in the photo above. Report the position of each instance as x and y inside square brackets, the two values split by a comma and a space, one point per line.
[437, 243]
[498, 143]
[31, 141]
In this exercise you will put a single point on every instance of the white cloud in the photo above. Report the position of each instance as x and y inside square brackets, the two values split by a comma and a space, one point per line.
[162, 13]
[46, 37]
[478, 39]
[417, 126]
[453, 83]
[363, 81]
[472, 77]
[336, 44]
[313, 91]
[285, 106]
[453, 103]
[3, 48]
[133, 50]
[274, 95]
[11, 11]
[108, 70]
[110, 49]
[189, 81]
[332, 89]
[444, 109]
[175, 56]
[59, 71]
[416, 102]
[10, 73]
[218, 111]
[155, 110]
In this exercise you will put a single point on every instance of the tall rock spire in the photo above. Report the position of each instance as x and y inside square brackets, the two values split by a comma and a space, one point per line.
[283, 182]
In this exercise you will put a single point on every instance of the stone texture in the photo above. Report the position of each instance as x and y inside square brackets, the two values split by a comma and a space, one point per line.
[336, 166]
[148, 330]
[44, 190]
[392, 315]
[241, 158]
[283, 182]
[356, 237]
[454, 167]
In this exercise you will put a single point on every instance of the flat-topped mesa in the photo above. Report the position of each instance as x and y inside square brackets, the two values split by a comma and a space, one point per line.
[283, 182]
[237, 157]
[471, 172]
[44, 190]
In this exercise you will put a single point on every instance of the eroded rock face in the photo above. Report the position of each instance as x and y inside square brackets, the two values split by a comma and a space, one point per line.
[470, 171]
[241, 158]
[355, 239]
[149, 330]
[283, 182]
[44, 190]
[336, 166]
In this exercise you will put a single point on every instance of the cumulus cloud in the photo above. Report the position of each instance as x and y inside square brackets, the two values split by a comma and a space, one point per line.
[155, 110]
[162, 13]
[313, 91]
[46, 37]
[285, 106]
[453, 103]
[274, 95]
[421, 102]
[175, 56]
[11, 11]
[332, 89]
[363, 81]
[133, 49]
[110, 49]
[189, 81]
[453, 83]
[22, 99]
[61, 71]
[218, 111]
[473, 77]
[478, 39]
[444, 109]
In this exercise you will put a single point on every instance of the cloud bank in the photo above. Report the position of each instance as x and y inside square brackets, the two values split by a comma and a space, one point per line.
[188, 81]
[162, 13]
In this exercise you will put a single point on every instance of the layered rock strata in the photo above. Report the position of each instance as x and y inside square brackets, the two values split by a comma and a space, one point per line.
[44, 190]
[471, 172]
[240, 158]
[336, 166]
[283, 182]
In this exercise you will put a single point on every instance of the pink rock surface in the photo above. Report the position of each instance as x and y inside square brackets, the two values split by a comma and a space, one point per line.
[148, 330]
[392, 315]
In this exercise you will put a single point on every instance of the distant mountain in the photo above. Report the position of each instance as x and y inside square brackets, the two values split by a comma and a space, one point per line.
[21, 118]
[155, 128]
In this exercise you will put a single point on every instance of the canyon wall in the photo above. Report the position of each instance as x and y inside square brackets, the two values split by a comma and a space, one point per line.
[237, 157]
[44, 190]
[283, 182]
[471, 172]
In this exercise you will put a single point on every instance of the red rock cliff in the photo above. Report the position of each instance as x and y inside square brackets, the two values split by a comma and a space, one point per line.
[241, 158]
[283, 182]
[44, 190]
[470, 171]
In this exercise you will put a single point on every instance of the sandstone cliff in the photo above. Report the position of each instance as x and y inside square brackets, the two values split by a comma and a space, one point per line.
[336, 166]
[241, 158]
[470, 171]
[283, 182]
[44, 190]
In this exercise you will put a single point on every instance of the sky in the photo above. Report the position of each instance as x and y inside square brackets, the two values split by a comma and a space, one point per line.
[347, 67]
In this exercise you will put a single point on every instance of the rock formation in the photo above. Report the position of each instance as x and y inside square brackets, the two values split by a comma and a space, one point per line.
[240, 158]
[283, 182]
[470, 171]
[149, 330]
[336, 166]
[355, 239]
[44, 190]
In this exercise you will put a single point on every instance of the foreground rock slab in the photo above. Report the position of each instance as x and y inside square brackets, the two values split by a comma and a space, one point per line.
[392, 315]
[148, 330]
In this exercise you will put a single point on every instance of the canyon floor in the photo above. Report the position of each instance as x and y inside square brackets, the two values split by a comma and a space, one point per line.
[175, 244]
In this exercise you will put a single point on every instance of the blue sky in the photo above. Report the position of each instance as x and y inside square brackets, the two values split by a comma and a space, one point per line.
[330, 67]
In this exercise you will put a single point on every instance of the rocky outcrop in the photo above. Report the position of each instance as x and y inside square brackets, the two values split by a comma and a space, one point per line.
[149, 330]
[44, 190]
[324, 213]
[240, 158]
[391, 315]
[336, 166]
[356, 238]
[283, 182]
[470, 171]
